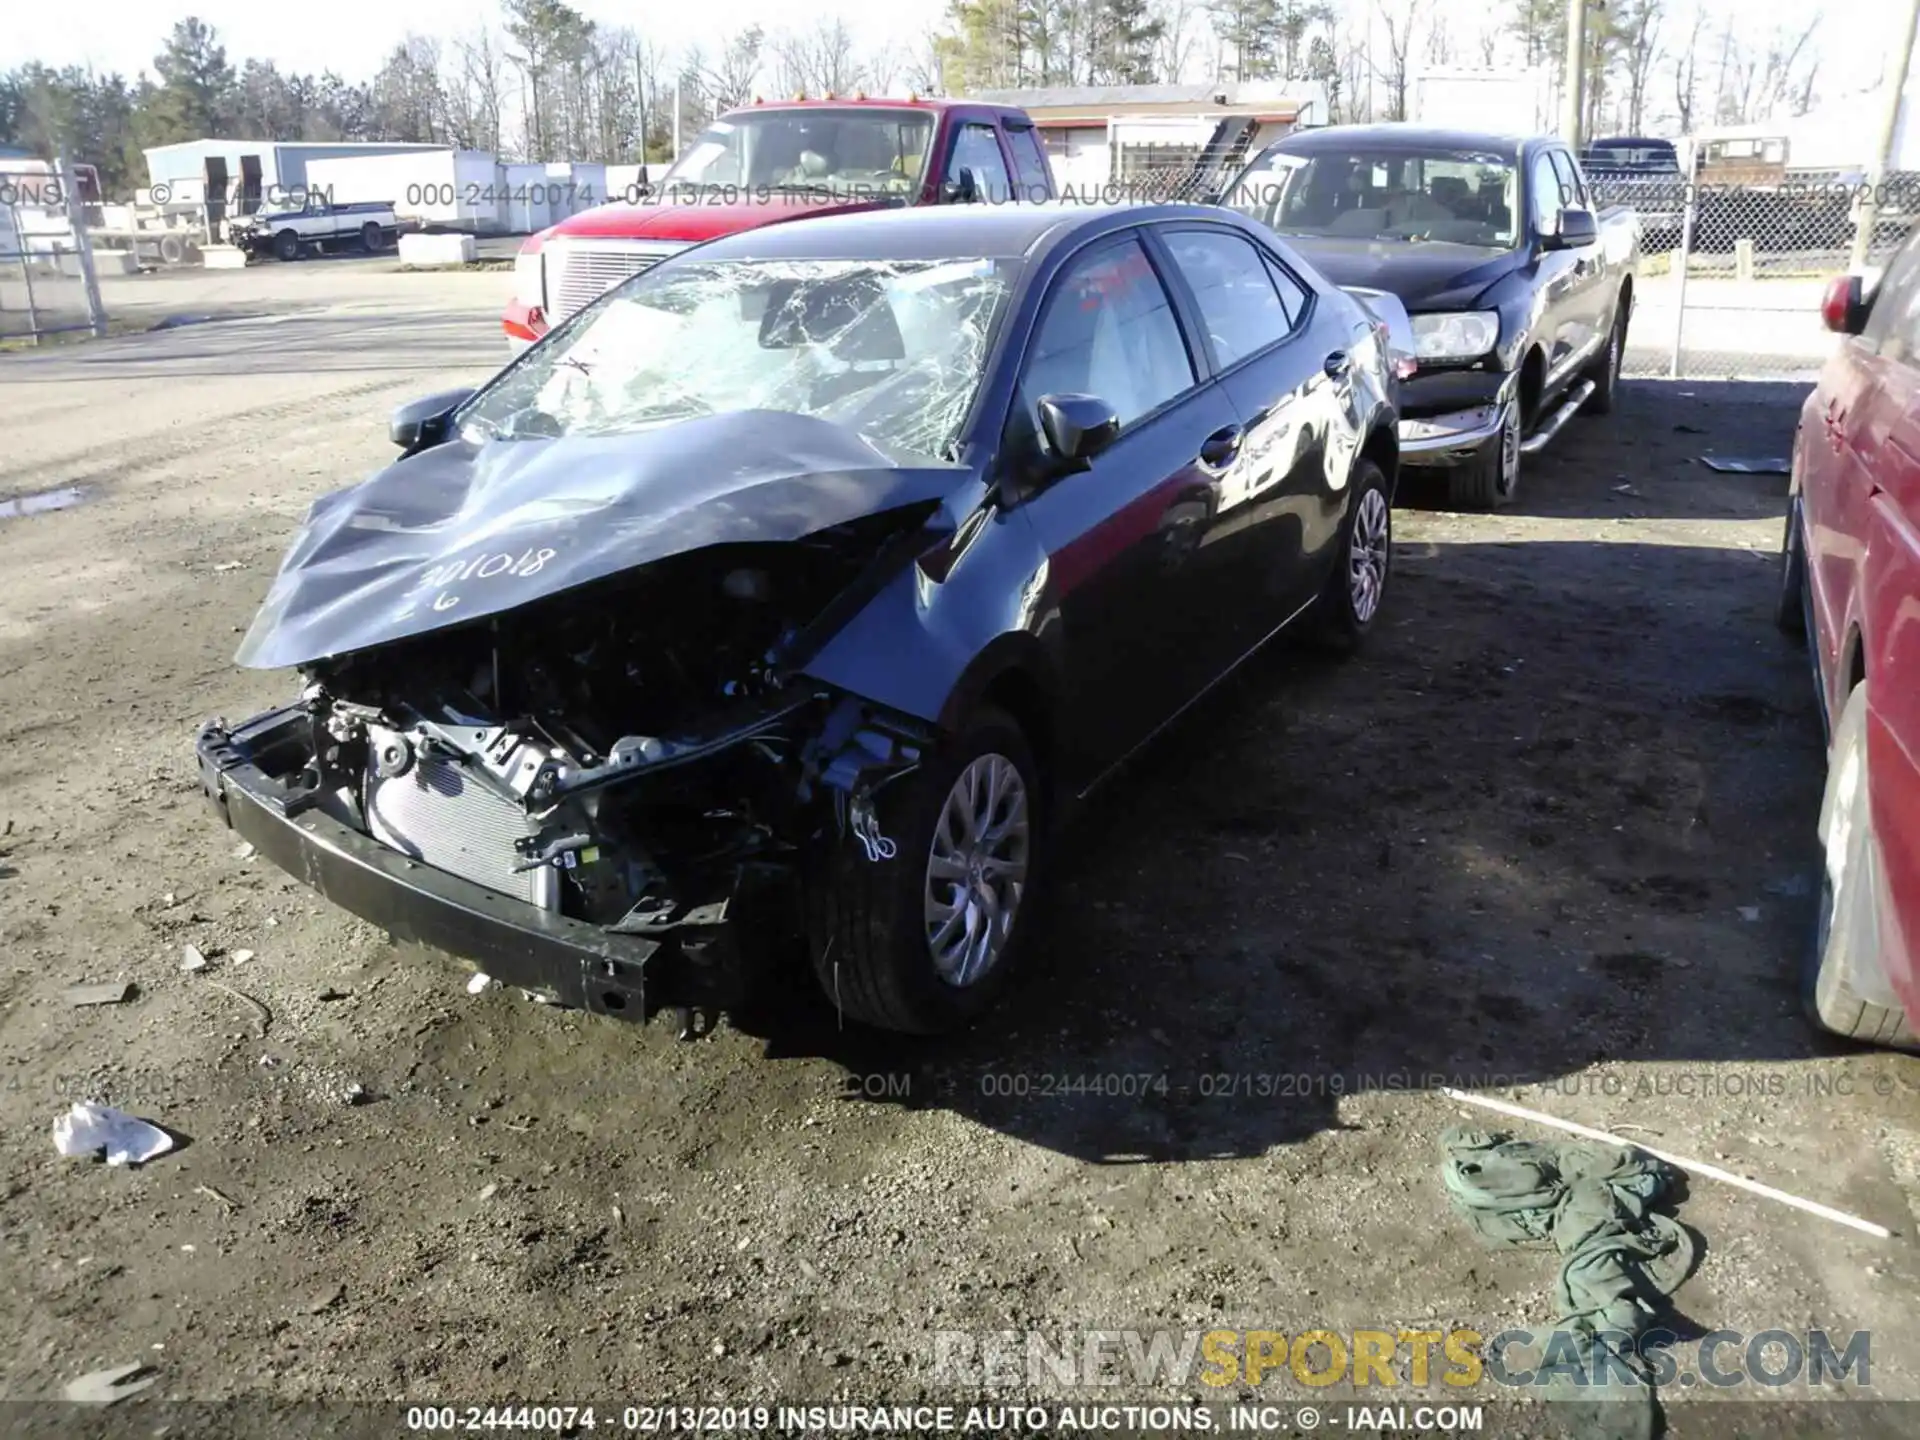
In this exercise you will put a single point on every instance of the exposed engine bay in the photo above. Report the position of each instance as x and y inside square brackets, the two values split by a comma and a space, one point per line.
[636, 754]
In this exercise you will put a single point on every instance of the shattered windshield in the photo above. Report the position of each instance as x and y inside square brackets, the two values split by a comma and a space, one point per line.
[852, 152]
[891, 349]
[1460, 197]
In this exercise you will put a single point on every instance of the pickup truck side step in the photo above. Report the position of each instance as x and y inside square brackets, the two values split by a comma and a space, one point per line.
[1550, 427]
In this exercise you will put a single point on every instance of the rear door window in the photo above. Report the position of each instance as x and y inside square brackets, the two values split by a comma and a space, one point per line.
[1234, 289]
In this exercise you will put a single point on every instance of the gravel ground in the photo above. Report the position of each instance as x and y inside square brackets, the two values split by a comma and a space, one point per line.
[1549, 838]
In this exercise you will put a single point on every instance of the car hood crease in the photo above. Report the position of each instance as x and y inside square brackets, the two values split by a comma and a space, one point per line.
[463, 531]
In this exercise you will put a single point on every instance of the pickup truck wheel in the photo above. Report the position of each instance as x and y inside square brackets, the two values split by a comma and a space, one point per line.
[916, 927]
[1790, 607]
[372, 238]
[1605, 372]
[1491, 478]
[1357, 588]
[1846, 937]
[286, 246]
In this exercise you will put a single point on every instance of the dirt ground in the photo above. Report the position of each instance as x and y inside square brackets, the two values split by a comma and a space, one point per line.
[1550, 838]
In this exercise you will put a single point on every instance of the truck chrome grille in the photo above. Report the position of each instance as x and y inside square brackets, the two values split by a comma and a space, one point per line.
[441, 815]
[582, 272]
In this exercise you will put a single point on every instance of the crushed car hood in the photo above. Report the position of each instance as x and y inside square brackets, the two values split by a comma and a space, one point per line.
[465, 530]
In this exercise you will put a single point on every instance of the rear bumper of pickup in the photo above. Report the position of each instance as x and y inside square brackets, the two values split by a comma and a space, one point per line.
[566, 961]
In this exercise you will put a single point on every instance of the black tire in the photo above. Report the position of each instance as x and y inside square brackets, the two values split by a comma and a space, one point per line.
[1790, 605]
[1491, 478]
[1844, 958]
[172, 250]
[372, 238]
[286, 246]
[1356, 590]
[867, 926]
[1605, 372]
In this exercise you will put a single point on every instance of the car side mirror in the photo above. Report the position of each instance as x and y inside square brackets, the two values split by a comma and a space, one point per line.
[1844, 306]
[963, 189]
[1077, 427]
[1577, 228]
[421, 423]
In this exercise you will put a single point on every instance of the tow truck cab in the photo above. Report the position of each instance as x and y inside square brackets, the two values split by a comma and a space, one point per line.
[767, 163]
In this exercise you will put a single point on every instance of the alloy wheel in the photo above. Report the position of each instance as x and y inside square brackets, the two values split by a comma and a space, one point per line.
[1367, 555]
[977, 869]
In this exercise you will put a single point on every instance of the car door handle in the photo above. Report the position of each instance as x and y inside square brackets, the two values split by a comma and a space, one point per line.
[1337, 364]
[1218, 449]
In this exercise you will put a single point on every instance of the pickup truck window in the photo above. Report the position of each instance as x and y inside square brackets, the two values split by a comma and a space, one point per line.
[1030, 166]
[1571, 185]
[1546, 199]
[1893, 323]
[977, 148]
[1462, 198]
[843, 152]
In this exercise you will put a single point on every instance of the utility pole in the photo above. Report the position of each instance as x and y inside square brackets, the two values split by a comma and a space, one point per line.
[1893, 87]
[1575, 100]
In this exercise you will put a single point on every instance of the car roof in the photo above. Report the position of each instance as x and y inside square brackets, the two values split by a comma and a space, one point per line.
[1397, 136]
[942, 232]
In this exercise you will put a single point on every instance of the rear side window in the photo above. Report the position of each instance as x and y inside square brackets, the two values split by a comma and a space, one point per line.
[1292, 293]
[1239, 304]
[1110, 331]
[1031, 172]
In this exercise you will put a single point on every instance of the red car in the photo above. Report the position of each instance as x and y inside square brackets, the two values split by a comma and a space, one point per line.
[768, 163]
[1850, 584]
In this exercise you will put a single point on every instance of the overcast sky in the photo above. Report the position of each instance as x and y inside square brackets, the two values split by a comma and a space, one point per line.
[353, 36]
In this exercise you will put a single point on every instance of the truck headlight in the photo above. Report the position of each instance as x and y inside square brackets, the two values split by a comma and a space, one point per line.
[1463, 335]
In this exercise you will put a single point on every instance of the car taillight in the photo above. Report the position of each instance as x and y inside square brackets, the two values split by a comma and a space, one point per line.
[529, 274]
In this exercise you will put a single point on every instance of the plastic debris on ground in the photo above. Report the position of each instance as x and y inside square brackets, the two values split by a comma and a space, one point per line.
[479, 982]
[1746, 464]
[87, 1129]
[191, 959]
[103, 1387]
[99, 994]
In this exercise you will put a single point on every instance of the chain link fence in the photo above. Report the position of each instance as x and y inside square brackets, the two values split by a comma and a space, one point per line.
[47, 283]
[1731, 275]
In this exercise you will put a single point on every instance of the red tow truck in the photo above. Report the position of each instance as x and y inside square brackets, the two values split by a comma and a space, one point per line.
[768, 163]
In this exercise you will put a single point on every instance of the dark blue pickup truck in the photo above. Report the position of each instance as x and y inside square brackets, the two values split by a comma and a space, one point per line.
[1519, 290]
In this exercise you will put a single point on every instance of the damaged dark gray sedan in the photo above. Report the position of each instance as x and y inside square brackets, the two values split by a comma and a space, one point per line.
[776, 608]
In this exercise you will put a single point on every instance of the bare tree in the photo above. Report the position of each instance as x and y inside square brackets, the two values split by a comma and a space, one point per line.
[1181, 27]
[1400, 17]
[818, 61]
[1685, 80]
[1489, 43]
[476, 86]
[1638, 31]
[730, 81]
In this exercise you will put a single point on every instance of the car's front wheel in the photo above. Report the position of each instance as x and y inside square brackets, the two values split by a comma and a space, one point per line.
[286, 246]
[917, 921]
[1844, 988]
